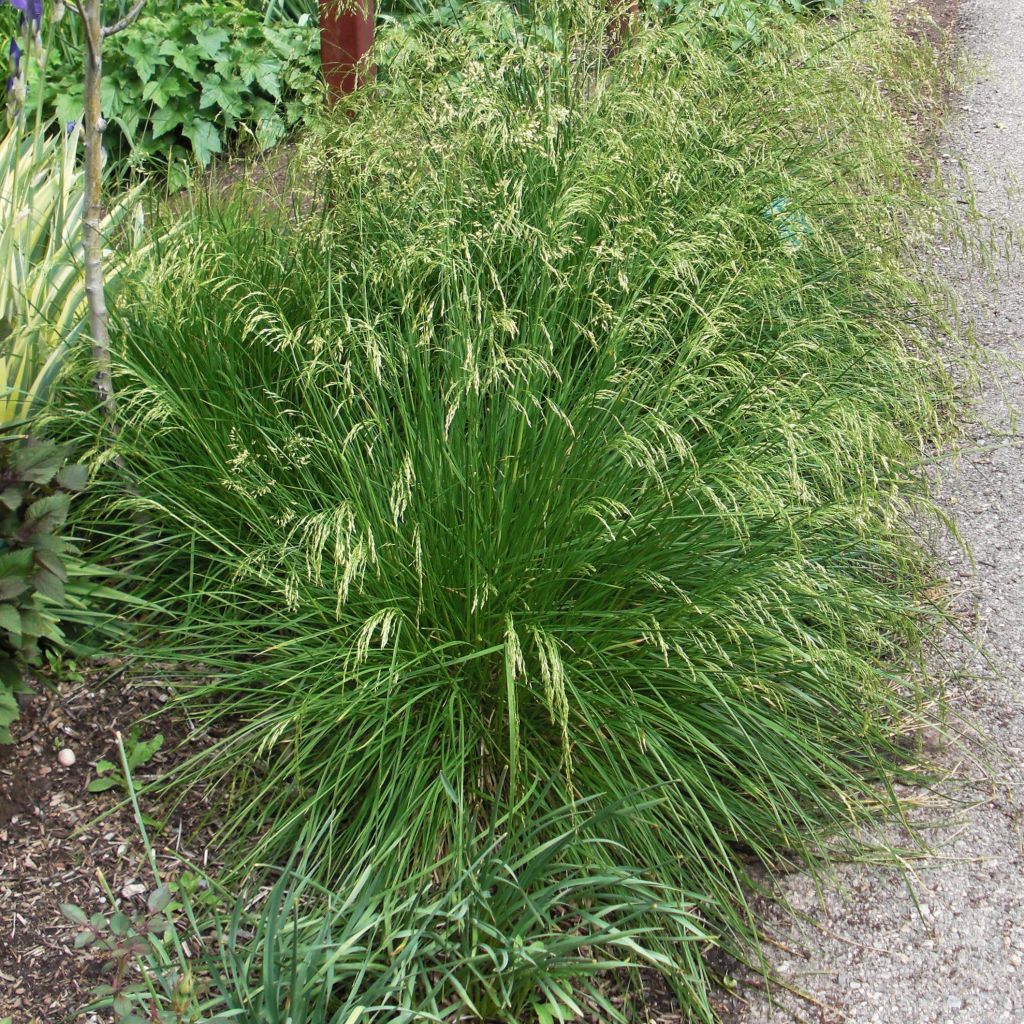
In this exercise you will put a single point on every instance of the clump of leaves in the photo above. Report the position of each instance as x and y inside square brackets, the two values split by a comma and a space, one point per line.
[183, 83]
[138, 752]
[42, 283]
[36, 483]
[122, 942]
[527, 931]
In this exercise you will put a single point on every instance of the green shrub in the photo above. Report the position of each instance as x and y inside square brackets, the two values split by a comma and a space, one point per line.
[36, 482]
[569, 434]
[188, 80]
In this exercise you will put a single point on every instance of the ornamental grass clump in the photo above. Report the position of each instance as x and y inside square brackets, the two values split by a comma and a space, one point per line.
[565, 433]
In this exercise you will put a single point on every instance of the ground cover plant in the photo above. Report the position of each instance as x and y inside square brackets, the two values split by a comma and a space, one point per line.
[187, 81]
[36, 563]
[562, 435]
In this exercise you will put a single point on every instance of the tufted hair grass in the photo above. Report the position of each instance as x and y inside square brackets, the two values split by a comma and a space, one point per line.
[568, 429]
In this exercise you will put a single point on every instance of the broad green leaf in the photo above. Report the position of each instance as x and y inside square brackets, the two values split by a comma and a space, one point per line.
[38, 461]
[11, 676]
[16, 563]
[49, 586]
[158, 92]
[9, 710]
[223, 94]
[270, 131]
[188, 60]
[12, 497]
[167, 119]
[211, 41]
[73, 477]
[142, 751]
[52, 562]
[73, 913]
[120, 924]
[111, 97]
[159, 899]
[170, 47]
[10, 619]
[102, 785]
[205, 140]
[35, 623]
[145, 64]
[47, 515]
[264, 70]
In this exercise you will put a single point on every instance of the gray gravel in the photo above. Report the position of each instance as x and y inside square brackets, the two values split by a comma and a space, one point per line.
[872, 956]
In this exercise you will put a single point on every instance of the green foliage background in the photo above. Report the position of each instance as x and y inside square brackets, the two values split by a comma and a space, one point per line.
[189, 80]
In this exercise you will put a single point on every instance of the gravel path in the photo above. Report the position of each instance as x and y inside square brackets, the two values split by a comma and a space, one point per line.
[958, 958]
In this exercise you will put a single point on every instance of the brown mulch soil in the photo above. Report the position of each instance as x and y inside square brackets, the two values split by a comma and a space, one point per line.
[935, 19]
[56, 839]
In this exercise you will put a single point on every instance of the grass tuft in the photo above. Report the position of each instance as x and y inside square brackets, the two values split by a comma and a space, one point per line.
[567, 434]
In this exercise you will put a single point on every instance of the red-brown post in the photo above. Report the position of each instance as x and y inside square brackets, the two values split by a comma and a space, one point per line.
[346, 39]
[625, 15]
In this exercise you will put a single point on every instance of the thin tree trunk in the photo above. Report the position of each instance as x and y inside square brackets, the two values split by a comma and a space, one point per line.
[94, 127]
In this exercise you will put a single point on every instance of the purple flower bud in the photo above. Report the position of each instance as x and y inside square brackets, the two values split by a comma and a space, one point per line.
[15, 53]
[31, 11]
[70, 126]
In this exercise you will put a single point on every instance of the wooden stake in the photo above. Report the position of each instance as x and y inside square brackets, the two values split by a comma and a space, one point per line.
[346, 39]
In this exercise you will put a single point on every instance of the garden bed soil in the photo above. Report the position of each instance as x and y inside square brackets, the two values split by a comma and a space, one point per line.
[56, 839]
[940, 20]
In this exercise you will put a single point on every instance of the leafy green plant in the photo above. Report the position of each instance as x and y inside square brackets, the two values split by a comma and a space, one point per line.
[138, 753]
[118, 939]
[36, 484]
[525, 932]
[62, 666]
[528, 448]
[187, 80]
[42, 284]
